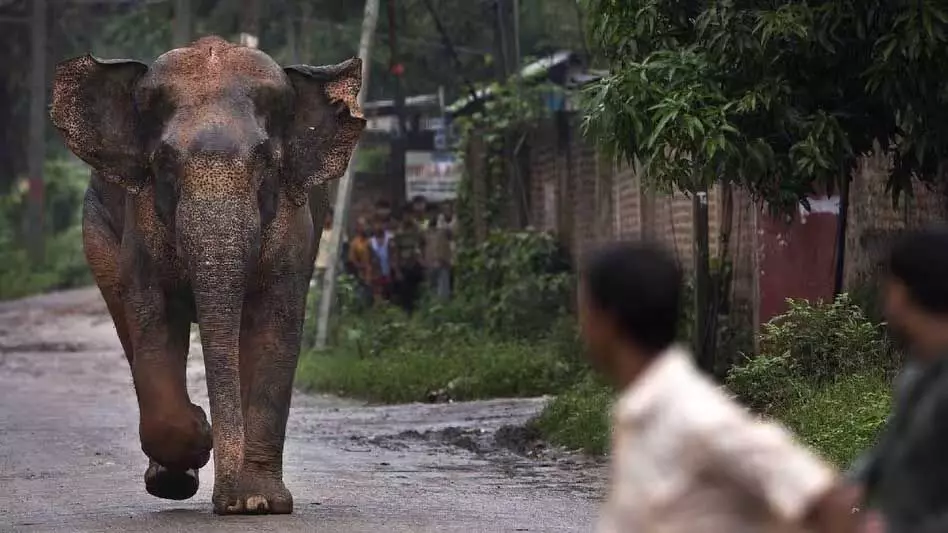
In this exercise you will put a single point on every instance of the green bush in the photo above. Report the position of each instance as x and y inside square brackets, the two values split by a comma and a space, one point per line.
[579, 418]
[64, 263]
[838, 419]
[824, 371]
[515, 284]
[457, 370]
[842, 418]
[506, 332]
[810, 344]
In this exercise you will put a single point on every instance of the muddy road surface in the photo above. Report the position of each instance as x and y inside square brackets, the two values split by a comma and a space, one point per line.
[70, 458]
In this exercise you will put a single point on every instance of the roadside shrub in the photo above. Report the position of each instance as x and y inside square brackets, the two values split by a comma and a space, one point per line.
[515, 284]
[579, 418]
[810, 345]
[64, 264]
[840, 419]
[448, 371]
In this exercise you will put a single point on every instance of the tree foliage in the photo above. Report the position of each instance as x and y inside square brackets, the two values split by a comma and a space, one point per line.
[781, 97]
[307, 31]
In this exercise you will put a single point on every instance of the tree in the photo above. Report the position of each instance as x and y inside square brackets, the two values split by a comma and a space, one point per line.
[779, 97]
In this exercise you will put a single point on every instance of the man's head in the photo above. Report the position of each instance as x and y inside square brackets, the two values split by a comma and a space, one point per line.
[629, 300]
[378, 227]
[327, 222]
[419, 205]
[383, 210]
[915, 292]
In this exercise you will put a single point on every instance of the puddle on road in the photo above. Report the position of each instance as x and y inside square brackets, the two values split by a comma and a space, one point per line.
[512, 453]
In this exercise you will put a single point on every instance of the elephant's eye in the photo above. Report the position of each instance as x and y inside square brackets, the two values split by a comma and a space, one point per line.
[163, 163]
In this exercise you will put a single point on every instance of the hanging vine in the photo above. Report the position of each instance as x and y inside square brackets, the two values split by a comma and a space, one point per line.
[497, 128]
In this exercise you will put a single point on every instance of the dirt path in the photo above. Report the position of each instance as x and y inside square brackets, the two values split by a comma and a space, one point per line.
[70, 458]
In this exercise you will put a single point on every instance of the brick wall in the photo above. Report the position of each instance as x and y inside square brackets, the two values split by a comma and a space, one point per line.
[873, 220]
[598, 200]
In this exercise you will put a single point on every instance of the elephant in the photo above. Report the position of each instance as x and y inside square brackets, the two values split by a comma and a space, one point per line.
[205, 164]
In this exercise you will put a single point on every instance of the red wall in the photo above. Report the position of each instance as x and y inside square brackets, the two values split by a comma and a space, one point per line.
[796, 260]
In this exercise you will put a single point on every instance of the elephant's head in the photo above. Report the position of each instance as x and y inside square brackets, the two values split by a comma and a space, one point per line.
[219, 135]
[214, 100]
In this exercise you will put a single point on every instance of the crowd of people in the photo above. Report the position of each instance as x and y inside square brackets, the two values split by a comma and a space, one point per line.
[395, 255]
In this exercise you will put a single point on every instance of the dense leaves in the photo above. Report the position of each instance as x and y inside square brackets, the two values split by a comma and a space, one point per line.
[778, 96]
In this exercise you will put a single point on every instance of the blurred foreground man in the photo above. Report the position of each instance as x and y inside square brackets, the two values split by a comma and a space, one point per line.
[905, 476]
[686, 458]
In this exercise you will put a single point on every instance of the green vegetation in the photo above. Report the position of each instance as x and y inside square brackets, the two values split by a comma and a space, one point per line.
[64, 265]
[777, 97]
[505, 335]
[831, 389]
[824, 368]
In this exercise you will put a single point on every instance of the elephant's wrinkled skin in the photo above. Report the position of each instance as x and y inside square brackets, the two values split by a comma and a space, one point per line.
[197, 211]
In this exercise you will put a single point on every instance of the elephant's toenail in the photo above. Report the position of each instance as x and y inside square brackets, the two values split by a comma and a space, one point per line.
[258, 503]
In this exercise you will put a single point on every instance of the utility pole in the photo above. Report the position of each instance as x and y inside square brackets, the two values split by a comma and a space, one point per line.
[516, 35]
[306, 32]
[703, 334]
[502, 49]
[292, 36]
[344, 191]
[400, 140]
[37, 121]
[250, 24]
[182, 23]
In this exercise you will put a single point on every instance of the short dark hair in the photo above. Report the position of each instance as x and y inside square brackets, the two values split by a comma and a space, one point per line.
[919, 260]
[640, 285]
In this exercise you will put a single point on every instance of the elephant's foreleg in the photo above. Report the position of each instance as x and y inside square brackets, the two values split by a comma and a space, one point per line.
[101, 246]
[175, 434]
[270, 343]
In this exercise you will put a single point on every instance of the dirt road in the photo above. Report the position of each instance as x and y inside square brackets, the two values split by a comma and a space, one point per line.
[70, 458]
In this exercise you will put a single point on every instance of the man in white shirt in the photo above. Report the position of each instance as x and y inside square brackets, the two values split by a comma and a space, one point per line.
[686, 458]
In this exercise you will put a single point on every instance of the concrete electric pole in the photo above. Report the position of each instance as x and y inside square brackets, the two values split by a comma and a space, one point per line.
[344, 191]
[182, 23]
[37, 145]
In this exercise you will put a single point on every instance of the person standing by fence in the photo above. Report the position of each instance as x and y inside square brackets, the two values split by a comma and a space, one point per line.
[360, 257]
[382, 245]
[409, 272]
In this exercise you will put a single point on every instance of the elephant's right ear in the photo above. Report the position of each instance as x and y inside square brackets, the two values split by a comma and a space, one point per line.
[94, 108]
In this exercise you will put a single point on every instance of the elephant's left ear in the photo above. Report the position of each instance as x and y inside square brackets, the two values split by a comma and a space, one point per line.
[326, 126]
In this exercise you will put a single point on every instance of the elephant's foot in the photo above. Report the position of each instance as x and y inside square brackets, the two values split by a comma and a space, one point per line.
[179, 440]
[254, 494]
[170, 484]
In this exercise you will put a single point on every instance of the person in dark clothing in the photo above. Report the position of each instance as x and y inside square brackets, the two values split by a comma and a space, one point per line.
[409, 271]
[904, 477]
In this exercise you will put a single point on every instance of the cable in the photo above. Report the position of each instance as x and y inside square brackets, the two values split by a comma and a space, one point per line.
[450, 47]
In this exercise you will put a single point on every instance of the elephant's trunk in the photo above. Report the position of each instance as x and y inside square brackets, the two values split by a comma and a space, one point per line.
[219, 236]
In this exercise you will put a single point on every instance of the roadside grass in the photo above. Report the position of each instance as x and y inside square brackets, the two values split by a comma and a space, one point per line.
[820, 389]
[459, 371]
[579, 418]
[839, 419]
